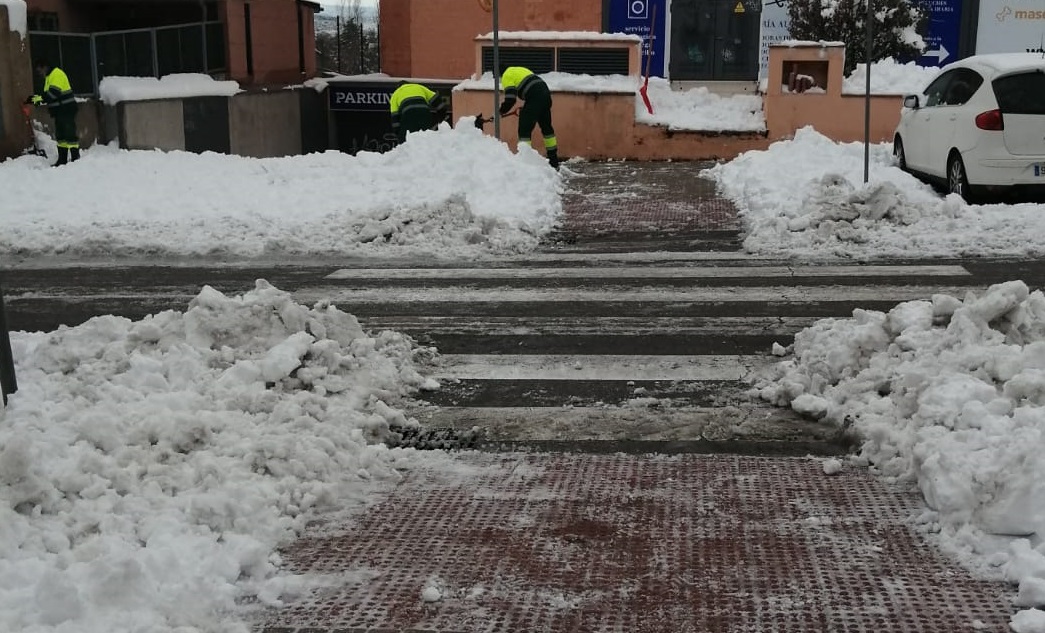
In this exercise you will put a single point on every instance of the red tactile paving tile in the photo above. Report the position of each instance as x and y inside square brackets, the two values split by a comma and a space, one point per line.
[639, 544]
[621, 197]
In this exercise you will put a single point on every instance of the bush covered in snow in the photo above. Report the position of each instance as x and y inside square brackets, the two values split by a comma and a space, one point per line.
[895, 27]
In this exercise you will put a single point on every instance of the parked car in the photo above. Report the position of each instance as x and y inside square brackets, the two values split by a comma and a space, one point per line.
[979, 126]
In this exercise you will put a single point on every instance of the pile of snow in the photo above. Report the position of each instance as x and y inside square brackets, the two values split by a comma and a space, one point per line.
[824, 210]
[566, 82]
[949, 393]
[889, 77]
[113, 90]
[450, 192]
[699, 109]
[149, 470]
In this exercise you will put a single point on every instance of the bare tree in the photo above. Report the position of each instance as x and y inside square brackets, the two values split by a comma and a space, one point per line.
[351, 47]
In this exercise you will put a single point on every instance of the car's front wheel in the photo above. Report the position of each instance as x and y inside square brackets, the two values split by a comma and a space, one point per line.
[901, 158]
[957, 180]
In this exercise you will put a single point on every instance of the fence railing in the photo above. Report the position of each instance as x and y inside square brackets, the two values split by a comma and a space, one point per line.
[90, 57]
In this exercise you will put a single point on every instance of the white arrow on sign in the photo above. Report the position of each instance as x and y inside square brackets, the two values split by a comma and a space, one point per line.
[940, 55]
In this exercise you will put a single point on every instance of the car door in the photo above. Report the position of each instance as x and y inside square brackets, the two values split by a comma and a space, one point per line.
[918, 133]
[951, 118]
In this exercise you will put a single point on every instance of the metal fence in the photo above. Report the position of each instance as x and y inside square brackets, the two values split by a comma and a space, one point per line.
[90, 57]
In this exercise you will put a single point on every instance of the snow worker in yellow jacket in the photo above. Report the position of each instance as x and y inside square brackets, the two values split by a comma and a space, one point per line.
[415, 108]
[522, 83]
[58, 97]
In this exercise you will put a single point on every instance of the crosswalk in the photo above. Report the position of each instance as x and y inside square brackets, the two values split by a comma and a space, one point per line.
[618, 346]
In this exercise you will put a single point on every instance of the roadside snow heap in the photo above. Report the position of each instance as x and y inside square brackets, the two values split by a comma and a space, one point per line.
[150, 469]
[806, 198]
[948, 393]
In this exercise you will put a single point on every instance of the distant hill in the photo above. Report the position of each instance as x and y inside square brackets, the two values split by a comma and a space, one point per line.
[326, 21]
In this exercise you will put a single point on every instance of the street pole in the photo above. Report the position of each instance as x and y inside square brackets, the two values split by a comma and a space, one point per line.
[867, 93]
[8, 384]
[496, 74]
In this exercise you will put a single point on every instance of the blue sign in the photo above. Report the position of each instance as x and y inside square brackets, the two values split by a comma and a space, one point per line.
[636, 17]
[941, 42]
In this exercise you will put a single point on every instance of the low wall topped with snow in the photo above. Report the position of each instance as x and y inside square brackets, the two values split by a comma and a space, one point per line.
[16, 80]
[563, 51]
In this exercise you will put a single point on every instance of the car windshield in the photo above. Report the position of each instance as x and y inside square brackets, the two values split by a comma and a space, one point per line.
[1022, 93]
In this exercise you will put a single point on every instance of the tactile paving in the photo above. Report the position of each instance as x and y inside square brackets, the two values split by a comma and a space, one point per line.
[649, 544]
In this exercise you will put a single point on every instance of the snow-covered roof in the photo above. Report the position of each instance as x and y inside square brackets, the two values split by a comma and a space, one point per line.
[587, 36]
[17, 15]
[806, 44]
[113, 90]
[566, 82]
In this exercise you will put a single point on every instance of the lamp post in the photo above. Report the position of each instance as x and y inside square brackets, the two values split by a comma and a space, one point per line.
[496, 74]
[867, 92]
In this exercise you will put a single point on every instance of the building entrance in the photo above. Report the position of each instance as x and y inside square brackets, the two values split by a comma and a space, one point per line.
[714, 40]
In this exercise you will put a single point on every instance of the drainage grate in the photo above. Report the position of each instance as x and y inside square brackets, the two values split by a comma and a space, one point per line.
[433, 439]
[615, 543]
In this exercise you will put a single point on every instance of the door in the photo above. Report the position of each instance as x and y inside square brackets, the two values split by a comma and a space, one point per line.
[917, 134]
[714, 40]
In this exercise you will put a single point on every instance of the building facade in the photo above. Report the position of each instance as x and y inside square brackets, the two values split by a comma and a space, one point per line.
[686, 40]
[254, 42]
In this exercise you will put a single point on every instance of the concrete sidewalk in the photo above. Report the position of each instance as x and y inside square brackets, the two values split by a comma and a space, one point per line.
[631, 543]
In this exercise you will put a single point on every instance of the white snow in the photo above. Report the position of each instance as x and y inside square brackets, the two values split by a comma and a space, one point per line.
[805, 197]
[566, 82]
[17, 16]
[449, 193]
[889, 77]
[149, 470]
[590, 36]
[113, 90]
[948, 392]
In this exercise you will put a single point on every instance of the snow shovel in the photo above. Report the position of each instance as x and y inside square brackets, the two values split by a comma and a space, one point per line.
[649, 62]
[27, 111]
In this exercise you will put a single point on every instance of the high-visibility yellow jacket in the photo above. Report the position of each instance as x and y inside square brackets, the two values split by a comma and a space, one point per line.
[517, 82]
[409, 96]
[57, 93]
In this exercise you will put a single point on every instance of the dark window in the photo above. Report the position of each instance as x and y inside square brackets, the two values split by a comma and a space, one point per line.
[539, 60]
[1023, 93]
[43, 21]
[593, 61]
[935, 91]
[966, 83]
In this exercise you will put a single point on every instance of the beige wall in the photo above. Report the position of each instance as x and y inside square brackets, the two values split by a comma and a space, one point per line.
[837, 116]
[265, 124]
[154, 124]
[601, 126]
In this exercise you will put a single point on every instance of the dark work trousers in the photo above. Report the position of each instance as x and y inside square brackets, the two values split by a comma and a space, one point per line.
[65, 132]
[414, 120]
[536, 110]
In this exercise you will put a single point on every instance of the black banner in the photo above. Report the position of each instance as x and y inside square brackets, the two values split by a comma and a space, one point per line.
[368, 96]
[361, 114]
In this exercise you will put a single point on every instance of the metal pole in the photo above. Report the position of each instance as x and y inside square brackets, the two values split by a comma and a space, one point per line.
[337, 27]
[496, 74]
[867, 93]
[8, 384]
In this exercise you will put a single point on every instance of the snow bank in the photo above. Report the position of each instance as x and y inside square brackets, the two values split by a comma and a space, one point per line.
[699, 109]
[950, 393]
[150, 469]
[448, 193]
[566, 82]
[805, 197]
[889, 77]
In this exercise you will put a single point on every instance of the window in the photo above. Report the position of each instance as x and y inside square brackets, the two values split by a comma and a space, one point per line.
[1023, 93]
[43, 21]
[966, 83]
[935, 91]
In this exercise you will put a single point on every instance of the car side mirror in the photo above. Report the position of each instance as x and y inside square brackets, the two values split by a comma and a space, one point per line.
[911, 101]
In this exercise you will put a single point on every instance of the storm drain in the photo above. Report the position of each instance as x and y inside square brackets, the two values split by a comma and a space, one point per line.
[618, 543]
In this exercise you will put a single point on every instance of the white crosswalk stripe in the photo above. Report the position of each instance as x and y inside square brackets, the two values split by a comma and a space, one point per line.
[559, 345]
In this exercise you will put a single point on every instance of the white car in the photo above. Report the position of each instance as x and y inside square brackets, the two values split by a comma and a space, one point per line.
[978, 126]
